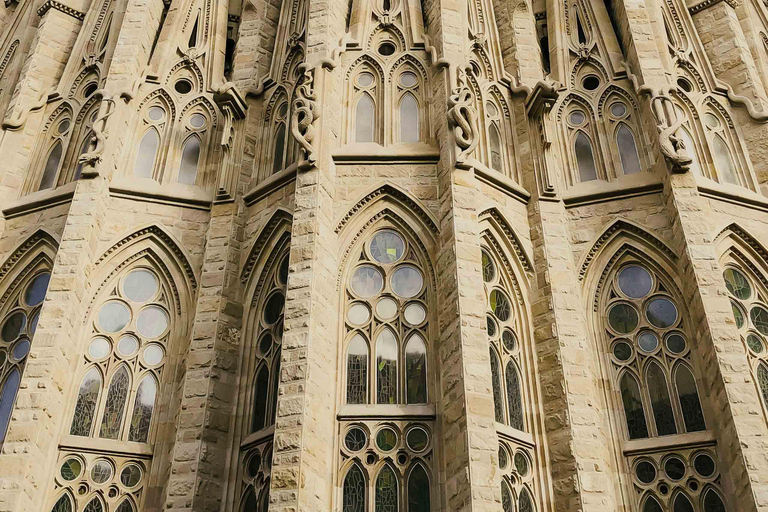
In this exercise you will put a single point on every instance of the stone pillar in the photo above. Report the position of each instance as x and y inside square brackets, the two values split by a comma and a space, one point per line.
[30, 450]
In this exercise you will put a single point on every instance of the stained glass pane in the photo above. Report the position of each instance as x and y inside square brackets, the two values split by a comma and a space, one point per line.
[762, 380]
[660, 402]
[64, 504]
[738, 314]
[386, 368]
[190, 157]
[409, 119]
[366, 281]
[514, 397]
[418, 490]
[489, 270]
[526, 503]
[140, 285]
[635, 281]
[500, 305]
[7, 398]
[416, 370]
[364, 119]
[407, 281]
[354, 491]
[51, 166]
[633, 407]
[496, 382]
[723, 161]
[115, 405]
[13, 326]
[387, 246]
[356, 439]
[113, 316]
[584, 158]
[35, 292]
[759, 317]
[683, 504]
[507, 503]
[145, 156]
[623, 318]
[142, 410]
[152, 321]
[357, 371]
[125, 506]
[86, 403]
[94, 506]
[651, 505]
[260, 399]
[275, 384]
[386, 491]
[630, 161]
[277, 162]
[713, 502]
[494, 137]
[250, 502]
[737, 284]
[645, 472]
[661, 312]
[689, 400]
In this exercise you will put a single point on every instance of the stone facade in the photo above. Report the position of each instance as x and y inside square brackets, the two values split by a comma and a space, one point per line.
[386, 255]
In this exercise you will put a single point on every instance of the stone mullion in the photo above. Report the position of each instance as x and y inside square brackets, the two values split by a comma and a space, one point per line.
[734, 412]
[43, 403]
[200, 453]
[574, 408]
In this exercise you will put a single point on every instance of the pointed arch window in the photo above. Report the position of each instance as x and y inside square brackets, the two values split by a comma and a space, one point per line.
[143, 408]
[723, 151]
[94, 506]
[63, 504]
[354, 490]
[630, 159]
[723, 161]
[365, 119]
[409, 118]
[357, 370]
[418, 490]
[386, 497]
[281, 153]
[514, 397]
[52, 163]
[495, 139]
[585, 158]
[147, 154]
[190, 157]
[85, 407]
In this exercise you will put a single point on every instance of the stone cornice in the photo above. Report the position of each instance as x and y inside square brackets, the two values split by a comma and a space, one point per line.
[709, 3]
[53, 4]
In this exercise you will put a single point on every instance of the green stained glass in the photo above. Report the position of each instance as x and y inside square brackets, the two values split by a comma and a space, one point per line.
[759, 317]
[737, 284]
[489, 270]
[500, 305]
[386, 491]
[387, 246]
[386, 439]
[418, 490]
[738, 315]
[354, 491]
[622, 318]
[755, 344]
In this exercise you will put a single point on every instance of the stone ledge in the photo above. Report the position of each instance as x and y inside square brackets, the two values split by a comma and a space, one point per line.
[512, 434]
[500, 182]
[731, 194]
[387, 412]
[599, 191]
[371, 152]
[107, 446]
[41, 200]
[269, 185]
[258, 437]
[174, 194]
[673, 442]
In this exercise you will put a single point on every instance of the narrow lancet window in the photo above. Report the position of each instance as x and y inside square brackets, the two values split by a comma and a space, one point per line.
[145, 157]
[409, 119]
[585, 158]
[51, 166]
[115, 405]
[7, 399]
[364, 119]
[630, 161]
[142, 410]
[86, 403]
[416, 370]
[190, 157]
[386, 368]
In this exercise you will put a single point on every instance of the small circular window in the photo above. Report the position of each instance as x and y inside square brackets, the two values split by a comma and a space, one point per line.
[198, 120]
[89, 89]
[408, 79]
[63, 126]
[364, 79]
[590, 82]
[155, 113]
[684, 84]
[618, 109]
[183, 86]
[386, 49]
[711, 121]
[576, 118]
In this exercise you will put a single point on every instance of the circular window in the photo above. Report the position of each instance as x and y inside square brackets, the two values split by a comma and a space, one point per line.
[684, 84]
[635, 281]
[356, 439]
[622, 318]
[114, 316]
[101, 471]
[618, 109]
[645, 472]
[577, 117]
[704, 465]
[35, 292]
[755, 344]
[128, 345]
[489, 270]
[648, 341]
[759, 317]
[13, 326]
[490, 109]
[89, 89]
[661, 312]
[590, 82]
[674, 468]
[737, 284]
[503, 458]
[386, 308]
[140, 285]
[676, 343]
[153, 354]
[182, 86]
[386, 49]
[364, 79]
[198, 120]
[521, 463]
[274, 308]
[98, 348]
[622, 351]
[71, 469]
[408, 79]
[738, 314]
[387, 246]
[417, 439]
[265, 343]
[152, 321]
[366, 281]
[358, 314]
[33, 323]
[490, 326]
[509, 340]
[282, 111]
[21, 350]
[500, 305]
[63, 126]
[130, 476]
[407, 281]
[415, 313]
[711, 120]
[254, 464]
[155, 113]
[386, 439]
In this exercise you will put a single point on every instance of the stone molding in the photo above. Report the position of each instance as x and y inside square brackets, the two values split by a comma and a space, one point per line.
[20, 251]
[267, 232]
[53, 4]
[508, 232]
[709, 3]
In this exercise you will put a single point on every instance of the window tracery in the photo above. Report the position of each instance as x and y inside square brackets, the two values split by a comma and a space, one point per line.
[385, 465]
[196, 127]
[56, 138]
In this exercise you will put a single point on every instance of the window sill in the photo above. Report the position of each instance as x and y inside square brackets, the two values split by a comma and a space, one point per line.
[176, 194]
[733, 194]
[673, 442]
[41, 200]
[272, 183]
[386, 411]
[600, 191]
[397, 153]
[105, 446]
[258, 437]
[512, 434]
[500, 182]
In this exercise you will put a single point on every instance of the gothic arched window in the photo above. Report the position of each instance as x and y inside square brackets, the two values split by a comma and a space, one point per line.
[280, 152]
[154, 120]
[722, 154]
[365, 119]
[495, 139]
[56, 139]
[365, 88]
[87, 141]
[190, 159]
[408, 90]
[16, 336]
[585, 158]
[387, 368]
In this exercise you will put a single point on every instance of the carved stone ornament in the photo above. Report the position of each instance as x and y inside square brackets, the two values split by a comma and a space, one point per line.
[668, 122]
[305, 113]
[90, 158]
[462, 117]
